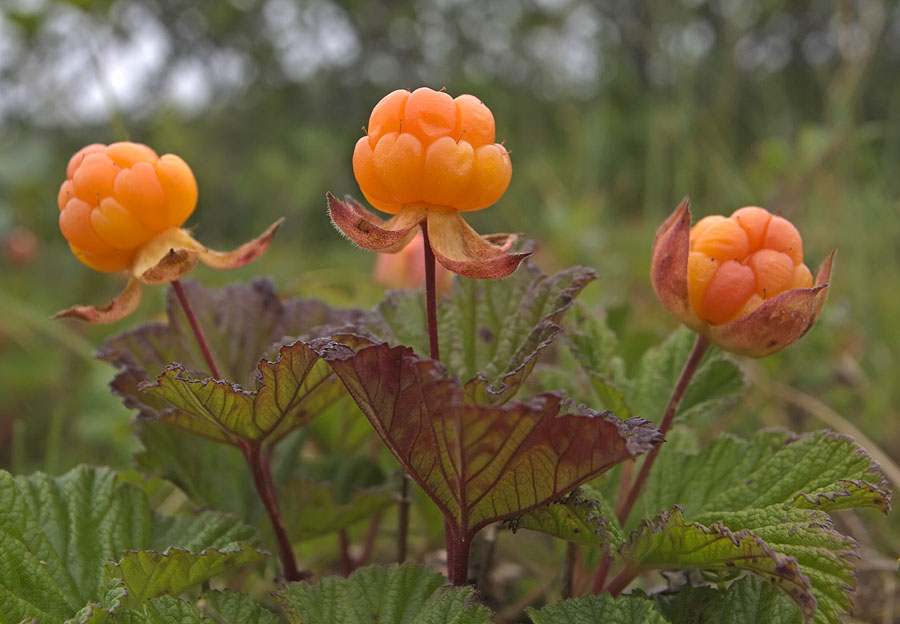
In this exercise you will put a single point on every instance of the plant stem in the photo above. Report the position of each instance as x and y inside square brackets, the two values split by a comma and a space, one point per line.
[261, 468]
[403, 519]
[622, 581]
[568, 577]
[430, 297]
[687, 373]
[624, 507]
[344, 548]
[458, 558]
[600, 576]
[198, 334]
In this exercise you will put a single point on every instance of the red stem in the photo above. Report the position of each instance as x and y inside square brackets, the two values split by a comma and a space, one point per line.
[347, 563]
[261, 469]
[430, 297]
[457, 546]
[602, 572]
[403, 519]
[458, 558]
[621, 581]
[198, 334]
[687, 373]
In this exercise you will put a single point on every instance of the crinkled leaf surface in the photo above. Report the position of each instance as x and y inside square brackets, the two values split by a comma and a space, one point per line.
[669, 542]
[234, 608]
[58, 533]
[749, 600]
[148, 574]
[404, 594]
[480, 464]
[491, 331]
[291, 390]
[594, 345]
[593, 609]
[778, 487]
[214, 607]
[241, 323]
[583, 517]
[820, 470]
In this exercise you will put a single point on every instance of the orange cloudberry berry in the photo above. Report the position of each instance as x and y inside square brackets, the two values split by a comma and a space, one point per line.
[739, 280]
[426, 147]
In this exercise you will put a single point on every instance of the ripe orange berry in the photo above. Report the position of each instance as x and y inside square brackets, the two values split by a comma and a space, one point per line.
[428, 148]
[737, 263]
[118, 197]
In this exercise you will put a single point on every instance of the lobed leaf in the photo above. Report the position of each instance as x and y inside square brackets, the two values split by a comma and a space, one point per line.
[583, 517]
[668, 541]
[749, 600]
[290, 391]
[480, 463]
[492, 331]
[57, 534]
[821, 470]
[598, 608]
[147, 574]
[395, 594]
[240, 322]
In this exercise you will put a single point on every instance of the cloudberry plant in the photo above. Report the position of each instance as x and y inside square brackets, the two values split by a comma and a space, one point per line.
[121, 207]
[425, 158]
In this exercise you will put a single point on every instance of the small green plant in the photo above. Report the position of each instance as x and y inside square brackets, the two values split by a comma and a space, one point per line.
[502, 408]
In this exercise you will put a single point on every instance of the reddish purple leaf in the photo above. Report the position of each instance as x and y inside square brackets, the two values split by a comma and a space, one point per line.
[480, 464]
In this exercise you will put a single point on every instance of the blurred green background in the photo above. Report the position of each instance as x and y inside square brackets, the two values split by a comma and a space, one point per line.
[613, 110]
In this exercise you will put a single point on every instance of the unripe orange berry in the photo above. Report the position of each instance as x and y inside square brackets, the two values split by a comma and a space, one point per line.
[118, 197]
[737, 263]
[427, 148]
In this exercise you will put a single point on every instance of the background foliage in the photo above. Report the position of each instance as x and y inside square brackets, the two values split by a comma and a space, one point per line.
[613, 111]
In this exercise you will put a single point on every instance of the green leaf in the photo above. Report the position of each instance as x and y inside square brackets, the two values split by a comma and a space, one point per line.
[583, 517]
[215, 607]
[480, 464]
[594, 345]
[716, 382]
[775, 488]
[311, 510]
[58, 533]
[492, 331]
[164, 610]
[821, 470]
[670, 542]
[210, 473]
[289, 392]
[234, 608]
[749, 600]
[404, 594]
[598, 608]
[147, 574]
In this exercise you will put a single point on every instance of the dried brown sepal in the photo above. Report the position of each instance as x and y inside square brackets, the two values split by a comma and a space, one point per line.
[462, 250]
[669, 264]
[246, 253]
[776, 323]
[124, 304]
[371, 232]
[172, 266]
